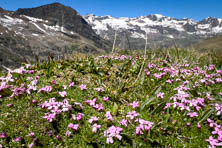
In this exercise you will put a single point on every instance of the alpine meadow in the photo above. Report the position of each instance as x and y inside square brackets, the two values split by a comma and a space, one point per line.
[90, 81]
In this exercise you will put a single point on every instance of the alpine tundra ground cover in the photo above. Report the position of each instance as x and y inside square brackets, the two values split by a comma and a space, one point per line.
[105, 101]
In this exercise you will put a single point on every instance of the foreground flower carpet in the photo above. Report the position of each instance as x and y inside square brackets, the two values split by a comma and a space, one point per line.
[105, 102]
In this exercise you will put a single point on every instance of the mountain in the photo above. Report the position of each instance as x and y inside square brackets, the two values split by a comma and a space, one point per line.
[41, 31]
[162, 31]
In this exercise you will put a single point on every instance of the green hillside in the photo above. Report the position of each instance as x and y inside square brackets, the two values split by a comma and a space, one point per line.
[214, 43]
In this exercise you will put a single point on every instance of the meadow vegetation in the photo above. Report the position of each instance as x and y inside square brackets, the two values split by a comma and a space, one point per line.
[99, 101]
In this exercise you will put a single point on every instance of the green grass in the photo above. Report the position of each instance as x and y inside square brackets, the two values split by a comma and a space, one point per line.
[118, 78]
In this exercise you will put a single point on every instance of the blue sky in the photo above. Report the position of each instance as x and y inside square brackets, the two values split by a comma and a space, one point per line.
[195, 9]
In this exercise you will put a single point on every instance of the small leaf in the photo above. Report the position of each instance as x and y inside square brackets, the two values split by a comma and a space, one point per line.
[147, 102]
[206, 115]
[142, 79]
[87, 140]
[159, 108]
[115, 109]
[158, 90]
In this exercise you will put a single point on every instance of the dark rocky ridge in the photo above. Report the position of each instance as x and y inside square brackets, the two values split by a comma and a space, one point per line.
[65, 16]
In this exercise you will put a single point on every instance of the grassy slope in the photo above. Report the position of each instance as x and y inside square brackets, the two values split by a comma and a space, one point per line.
[117, 76]
[214, 43]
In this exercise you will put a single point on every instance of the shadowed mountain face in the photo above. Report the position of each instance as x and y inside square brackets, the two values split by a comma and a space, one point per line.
[50, 29]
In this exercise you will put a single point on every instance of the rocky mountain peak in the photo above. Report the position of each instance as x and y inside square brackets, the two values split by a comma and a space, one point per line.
[60, 15]
[43, 30]
[156, 17]
[210, 20]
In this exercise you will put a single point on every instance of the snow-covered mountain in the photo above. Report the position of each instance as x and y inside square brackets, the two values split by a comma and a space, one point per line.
[162, 31]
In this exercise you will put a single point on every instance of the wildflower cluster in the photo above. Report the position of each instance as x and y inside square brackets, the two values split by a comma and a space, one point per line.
[99, 101]
[55, 108]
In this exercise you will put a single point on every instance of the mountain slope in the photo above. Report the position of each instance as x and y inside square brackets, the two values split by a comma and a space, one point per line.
[50, 29]
[214, 43]
[162, 31]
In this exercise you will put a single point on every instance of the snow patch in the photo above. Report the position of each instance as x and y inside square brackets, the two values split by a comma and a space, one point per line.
[170, 36]
[138, 35]
[9, 21]
[35, 34]
[203, 26]
[33, 19]
[55, 28]
[159, 16]
[39, 27]
[217, 29]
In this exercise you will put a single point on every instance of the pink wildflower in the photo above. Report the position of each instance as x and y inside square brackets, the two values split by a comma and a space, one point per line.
[92, 119]
[95, 127]
[65, 87]
[32, 134]
[198, 125]
[188, 124]
[160, 95]
[83, 87]
[216, 131]
[31, 145]
[73, 126]
[112, 132]
[34, 101]
[9, 105]
[91, 102]
[213, 142]
[132, 115]
[17, 139]
[49, 116]
[100, 89]
[143, 126]
[192, 114]
[3, 135]
[167, 105]
[158, 76]
[77, 117]
[218, 108]
[71, 84]
[58, 137]
[105, 98]
[63, 94]
[210, 122]
[68, 133]
[99, 107]
[139, 130]
[135, 104]
[123, 122]
[45, 89]
[54, 82]
[109, 116]
[147, 73]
